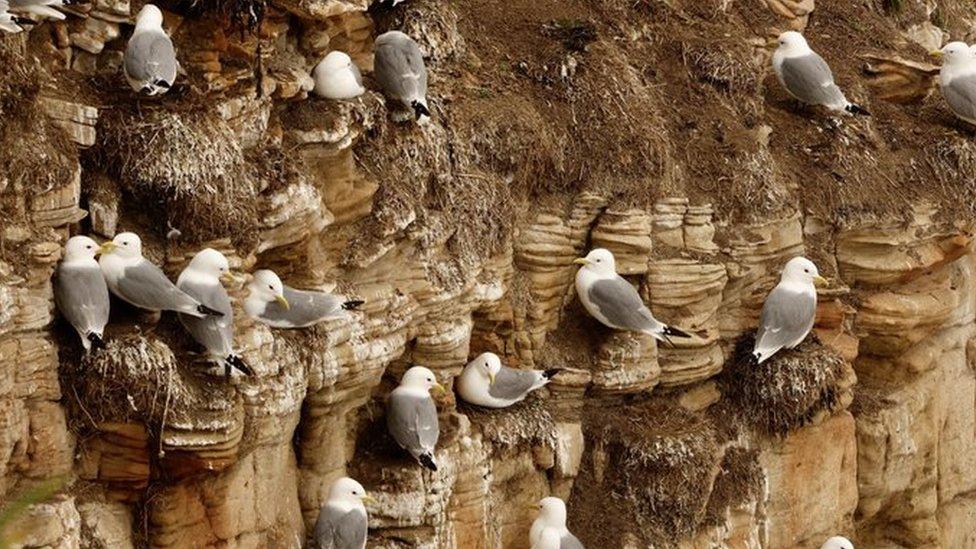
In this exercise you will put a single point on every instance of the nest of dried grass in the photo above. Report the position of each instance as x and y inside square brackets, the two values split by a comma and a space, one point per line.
[739, 481]
[648, 470]
[525, 424]
[35, 154]
[785, 392]
[728, 66]
[133, 379]
[189, 162]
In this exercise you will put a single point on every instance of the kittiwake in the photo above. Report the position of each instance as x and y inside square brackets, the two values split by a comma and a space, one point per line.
[957, 79]
[136, 280]
[399, 70]
[337, 77]
[549, 529]
[807, 77]
[150, 60]
[201, 280]
[342, 522]
[411, 416]
[280, 306]
[81, 293]
[837, 542]
[789, 310]
[614, 301]
[485, 381]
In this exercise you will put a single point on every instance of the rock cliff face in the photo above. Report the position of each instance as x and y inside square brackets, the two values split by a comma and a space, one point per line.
[648, 127]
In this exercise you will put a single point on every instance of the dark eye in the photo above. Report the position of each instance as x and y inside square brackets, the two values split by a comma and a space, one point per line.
[270, 286]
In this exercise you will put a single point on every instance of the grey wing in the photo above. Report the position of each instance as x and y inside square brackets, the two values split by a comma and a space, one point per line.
[399, 68]
[337, 530]
[216, 334]
[82, 297]
[960, 94]
[569, 541]
[810, 80]
[304, 308]
[620, 303]
[512, 384]
[150, 57]
[413, 422]
[145, 285]
[786, 316]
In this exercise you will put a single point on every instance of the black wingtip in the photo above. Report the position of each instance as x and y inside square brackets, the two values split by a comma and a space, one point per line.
[352, 304]
[427, 461]
[419, 109]
[96, 341]
[203, 309]
[548, 374]
[671, 331]
[238, 363]
[857, 109]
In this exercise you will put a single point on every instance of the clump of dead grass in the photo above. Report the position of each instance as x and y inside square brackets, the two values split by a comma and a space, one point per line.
[189, 162]
[727, 66]
[739, 481]
[653, 463]
[785, 392]
[525, 424]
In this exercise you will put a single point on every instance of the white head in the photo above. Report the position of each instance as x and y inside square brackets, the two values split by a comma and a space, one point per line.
[267, 287]
[149, 18]
[599, 261]
[792, 42]
[335, 60]
[954, 53]
[488, 365]
[347, 490]
[79, 248]
[837, 542]
[127, 245]
[552, 511]
[210, 262]
[801, 269]
[420, 378]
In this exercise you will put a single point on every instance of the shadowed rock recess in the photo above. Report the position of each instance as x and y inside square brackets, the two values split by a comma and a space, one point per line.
[652, 128]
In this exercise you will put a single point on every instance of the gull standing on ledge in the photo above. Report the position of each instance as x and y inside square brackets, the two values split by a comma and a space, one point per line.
[549, 529]
[789, 310]
[342, 522]
[39, 9]
[137, 281]
[8, 21]
[614, 301]
[81, 293]
[400, 71]
[201, 280]
[411, 415]
[486, 382]
[957, 79]
[337, 77]
[837, 542]
[280, 306]
[150, 60]
[807, 77]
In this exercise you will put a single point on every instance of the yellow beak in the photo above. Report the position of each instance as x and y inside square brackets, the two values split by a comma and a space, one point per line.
[936, 54]
[107, 247]
[228, 278]
[581, 261]
[820, 281]
[284, 302]
[491, 377]
[439, 389]
[369, 499]
[536, 506]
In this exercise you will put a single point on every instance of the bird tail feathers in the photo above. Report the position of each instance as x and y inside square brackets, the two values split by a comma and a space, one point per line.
[427, 460]
[207, 311]
[352, 304]
[96, 341]
[419, 109]
[238, 364]
[548, 374]
[856, 109]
